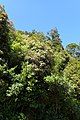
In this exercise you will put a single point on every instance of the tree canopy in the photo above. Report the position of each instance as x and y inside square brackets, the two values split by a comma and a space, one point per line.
[39, 78]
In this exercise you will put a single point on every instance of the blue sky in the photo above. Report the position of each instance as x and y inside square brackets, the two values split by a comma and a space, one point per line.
[43, 15]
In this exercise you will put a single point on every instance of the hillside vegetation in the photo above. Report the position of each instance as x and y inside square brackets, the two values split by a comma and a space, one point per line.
[39, 78]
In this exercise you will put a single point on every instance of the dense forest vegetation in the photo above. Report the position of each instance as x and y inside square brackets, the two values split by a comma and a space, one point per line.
[39, 78]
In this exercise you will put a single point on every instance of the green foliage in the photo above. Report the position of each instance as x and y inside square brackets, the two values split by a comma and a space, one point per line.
[74, 50]
[72, 72]
[61, 60]
[56, 41]
[39, 80]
